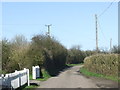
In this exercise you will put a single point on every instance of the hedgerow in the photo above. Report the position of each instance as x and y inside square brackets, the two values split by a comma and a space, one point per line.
[106, 64]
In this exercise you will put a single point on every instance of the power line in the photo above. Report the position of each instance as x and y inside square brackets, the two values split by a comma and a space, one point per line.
[101, 30]
[97, 23]
[106, 8]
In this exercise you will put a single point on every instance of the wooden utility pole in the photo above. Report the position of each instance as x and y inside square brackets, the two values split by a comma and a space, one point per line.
[96, 32]
[111, 45]
[48, 33]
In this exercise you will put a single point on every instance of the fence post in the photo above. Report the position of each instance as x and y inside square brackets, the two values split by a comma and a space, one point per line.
[34, 72]
[8, 79]
[2, 80]
[37, 72]
[28, 77]
[19, 81]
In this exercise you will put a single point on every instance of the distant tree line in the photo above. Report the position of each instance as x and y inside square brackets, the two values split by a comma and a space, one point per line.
[76, 55]
[42, 50]
[116, 49]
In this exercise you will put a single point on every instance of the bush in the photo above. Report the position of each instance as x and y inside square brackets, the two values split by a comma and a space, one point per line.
[14, 54]
[5, 55]
[75, 55]
[106, 64]
[116, 49]
[89, 53]
[44, 51]
[49, 53]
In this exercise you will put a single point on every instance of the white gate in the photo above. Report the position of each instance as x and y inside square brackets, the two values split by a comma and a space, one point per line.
[35, 72]
[16, 79]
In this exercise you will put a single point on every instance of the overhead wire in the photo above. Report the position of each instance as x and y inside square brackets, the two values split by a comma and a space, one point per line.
[102, 31]
[106, 8]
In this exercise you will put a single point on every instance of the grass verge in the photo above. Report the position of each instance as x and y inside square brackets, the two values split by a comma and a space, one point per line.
[88, 73]
[45, 76]
[25, 87]
[31, 86]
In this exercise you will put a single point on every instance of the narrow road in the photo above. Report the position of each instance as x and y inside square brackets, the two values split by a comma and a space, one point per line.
[71, 78]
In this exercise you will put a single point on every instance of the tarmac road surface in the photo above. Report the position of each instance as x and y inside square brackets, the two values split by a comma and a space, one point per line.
[72, 78]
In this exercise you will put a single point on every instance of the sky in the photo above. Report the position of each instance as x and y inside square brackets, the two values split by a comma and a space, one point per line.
[73, 23]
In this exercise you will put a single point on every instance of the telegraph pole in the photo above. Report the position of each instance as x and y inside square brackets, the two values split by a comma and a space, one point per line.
[111, 45]
[48, 33]
[96, 32]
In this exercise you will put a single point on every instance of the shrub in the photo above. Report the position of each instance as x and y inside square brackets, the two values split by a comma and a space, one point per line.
[106, 64]
[42, 50]
[116, 49]
[5, 55]
[75, 55]
[50, 52]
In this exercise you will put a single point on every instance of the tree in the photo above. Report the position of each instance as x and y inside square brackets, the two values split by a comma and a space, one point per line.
[116, 49]
[51, 54]
[75, 55]
[5, 54]
[19, 50]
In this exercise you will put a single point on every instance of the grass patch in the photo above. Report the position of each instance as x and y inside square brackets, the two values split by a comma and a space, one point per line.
[30, 77]
[74, 64]
[45, 76]
[25, 87]
[2, 72]
[87, 73]
[31, 86]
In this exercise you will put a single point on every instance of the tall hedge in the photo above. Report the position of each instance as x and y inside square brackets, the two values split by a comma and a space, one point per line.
[44, 51]
[106, 64]
[49, 53]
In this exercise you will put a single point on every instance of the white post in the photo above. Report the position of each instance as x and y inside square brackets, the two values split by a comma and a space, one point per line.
[37, 71]
[17, 73]
[2, 79]
[9, 82]
[33, 72]
[28, 77]
[2, 75]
